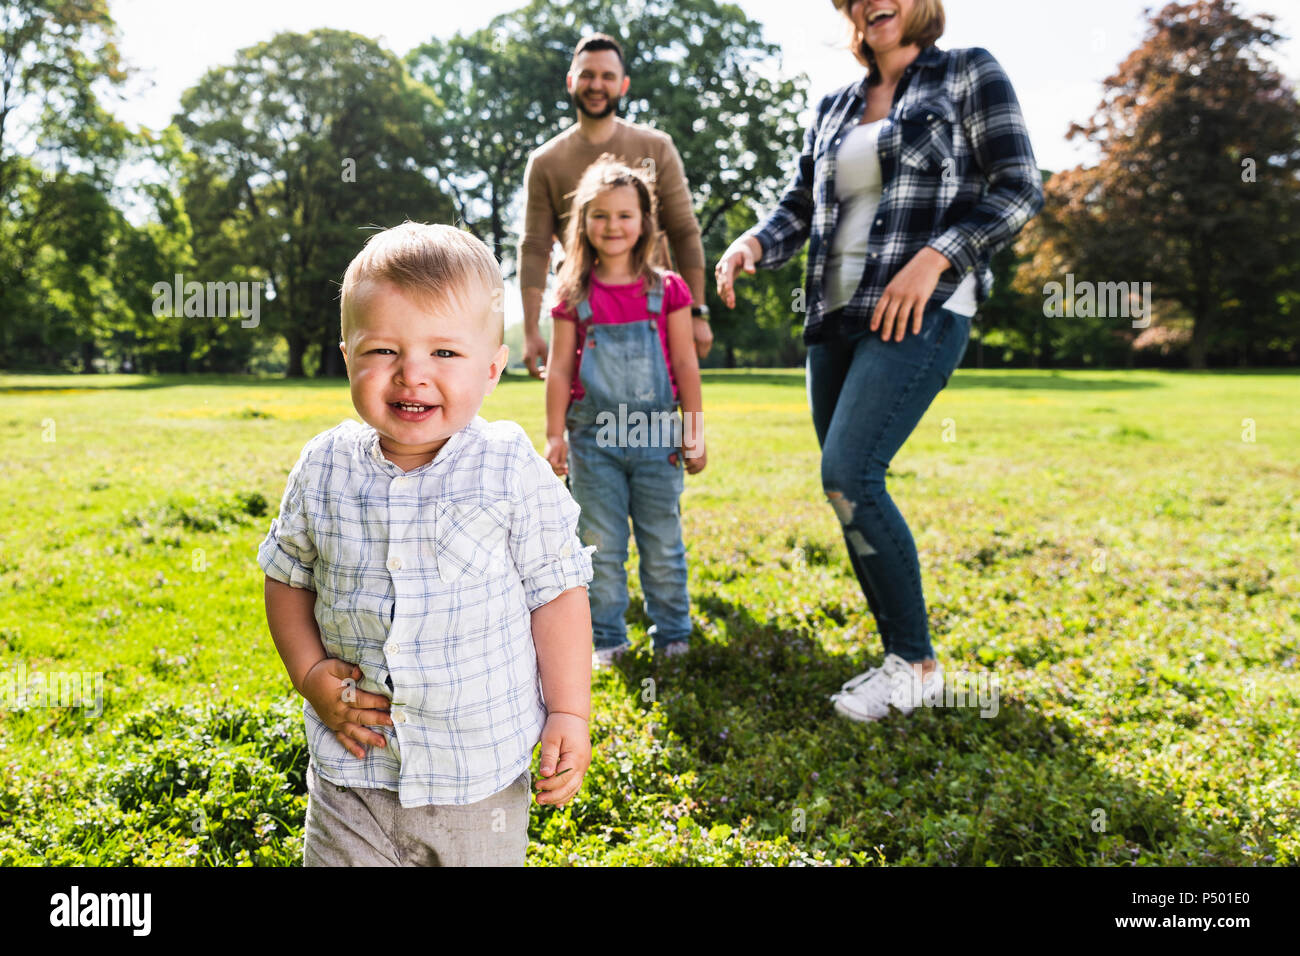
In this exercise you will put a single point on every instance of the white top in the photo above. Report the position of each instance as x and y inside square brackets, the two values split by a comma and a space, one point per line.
[857, 189]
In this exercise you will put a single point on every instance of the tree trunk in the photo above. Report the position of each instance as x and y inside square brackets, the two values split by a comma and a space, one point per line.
[331, 359]
[498, 227]
[1196, 351]
[1202, 320]
[297, 346]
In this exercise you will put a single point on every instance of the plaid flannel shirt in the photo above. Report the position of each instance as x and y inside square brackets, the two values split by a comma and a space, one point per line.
[426, 580]
[958, 175]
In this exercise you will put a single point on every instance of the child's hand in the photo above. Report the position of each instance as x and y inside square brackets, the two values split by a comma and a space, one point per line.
[557, 454]
[697, 458]
[695, 463]
[566, 755]
[342, 707]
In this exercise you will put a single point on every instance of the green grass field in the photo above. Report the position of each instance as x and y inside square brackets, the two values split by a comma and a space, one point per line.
[1110, 547]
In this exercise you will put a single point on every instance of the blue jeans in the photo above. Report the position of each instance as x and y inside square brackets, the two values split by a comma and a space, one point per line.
[867, 396]
[612, 483]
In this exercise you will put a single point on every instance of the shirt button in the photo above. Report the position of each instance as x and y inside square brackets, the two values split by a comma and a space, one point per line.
[399, 717]
[392, 647]
[394, 563]
[566, 551]
[875, 255]
[401, 482]
[879, 222]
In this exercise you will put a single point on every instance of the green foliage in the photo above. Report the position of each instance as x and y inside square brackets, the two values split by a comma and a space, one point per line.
[298, 148]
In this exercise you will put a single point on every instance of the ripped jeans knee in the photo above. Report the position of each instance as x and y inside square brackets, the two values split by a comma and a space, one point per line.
[844, 510]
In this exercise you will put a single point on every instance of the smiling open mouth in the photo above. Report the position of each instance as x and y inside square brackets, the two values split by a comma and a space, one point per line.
[411, 411]
[880, 16]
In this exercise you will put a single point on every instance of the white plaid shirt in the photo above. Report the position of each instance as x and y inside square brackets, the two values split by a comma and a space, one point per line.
[426, 580]
[958, 174]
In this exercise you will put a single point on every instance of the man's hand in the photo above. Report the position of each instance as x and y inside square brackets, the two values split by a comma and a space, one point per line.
[703, 336]
[566, 755]
[534, 354]
[557, 454]
[907, 294]
[342, 707]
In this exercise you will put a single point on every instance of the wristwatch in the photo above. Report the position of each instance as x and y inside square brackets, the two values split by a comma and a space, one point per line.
[700, 312]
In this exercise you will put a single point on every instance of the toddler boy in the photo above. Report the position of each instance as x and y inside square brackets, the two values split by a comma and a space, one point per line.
[425, 586]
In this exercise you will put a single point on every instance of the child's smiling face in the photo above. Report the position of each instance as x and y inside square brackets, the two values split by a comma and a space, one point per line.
[401, 353]
[614, 221]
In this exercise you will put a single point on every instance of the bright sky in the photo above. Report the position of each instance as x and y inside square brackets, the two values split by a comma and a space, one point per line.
[1056, 53]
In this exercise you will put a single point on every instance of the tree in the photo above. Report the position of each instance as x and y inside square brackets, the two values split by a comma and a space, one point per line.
[52, 54]
[300, 147]
[1197, 188]
[700, 71]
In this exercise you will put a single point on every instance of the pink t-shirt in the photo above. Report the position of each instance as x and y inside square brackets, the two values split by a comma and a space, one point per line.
[626, 302]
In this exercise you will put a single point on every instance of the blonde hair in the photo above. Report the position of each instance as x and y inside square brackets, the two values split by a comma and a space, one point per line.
[573, 283]
[922, 27]
[434, 263]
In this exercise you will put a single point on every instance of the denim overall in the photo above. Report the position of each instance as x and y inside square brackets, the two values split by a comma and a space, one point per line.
[617, 471]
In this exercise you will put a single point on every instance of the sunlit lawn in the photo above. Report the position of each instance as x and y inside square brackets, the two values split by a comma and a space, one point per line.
[1110, 547]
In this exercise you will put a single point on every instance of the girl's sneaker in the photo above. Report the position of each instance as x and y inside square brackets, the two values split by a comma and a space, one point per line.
[870, 695]
[606, 656]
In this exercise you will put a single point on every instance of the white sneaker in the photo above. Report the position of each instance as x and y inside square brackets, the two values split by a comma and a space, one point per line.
[673, 649]
[606, 656]
[870, 695]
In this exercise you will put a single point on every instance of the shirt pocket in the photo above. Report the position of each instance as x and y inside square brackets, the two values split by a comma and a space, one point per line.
[927, 137]
[471, 538]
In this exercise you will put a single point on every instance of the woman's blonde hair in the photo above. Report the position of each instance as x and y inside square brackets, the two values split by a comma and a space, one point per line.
[573, 283]
[922, 27]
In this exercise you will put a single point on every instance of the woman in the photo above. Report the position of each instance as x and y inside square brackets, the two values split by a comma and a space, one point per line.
[908, 182]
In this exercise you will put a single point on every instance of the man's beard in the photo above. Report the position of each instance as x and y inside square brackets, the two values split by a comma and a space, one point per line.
[611, 105]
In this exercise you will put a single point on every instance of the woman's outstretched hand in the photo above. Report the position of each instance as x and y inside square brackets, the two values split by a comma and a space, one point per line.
[741, 254]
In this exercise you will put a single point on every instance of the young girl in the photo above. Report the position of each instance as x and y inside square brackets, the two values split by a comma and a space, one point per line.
[622, 357]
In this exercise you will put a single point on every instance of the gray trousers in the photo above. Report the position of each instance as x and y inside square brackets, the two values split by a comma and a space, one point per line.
[364, 826]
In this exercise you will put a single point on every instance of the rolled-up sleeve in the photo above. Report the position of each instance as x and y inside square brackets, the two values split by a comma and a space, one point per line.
[288, 553]
[999, 140]
[544, 532]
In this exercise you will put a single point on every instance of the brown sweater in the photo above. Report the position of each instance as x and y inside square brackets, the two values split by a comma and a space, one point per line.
[554, 169]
